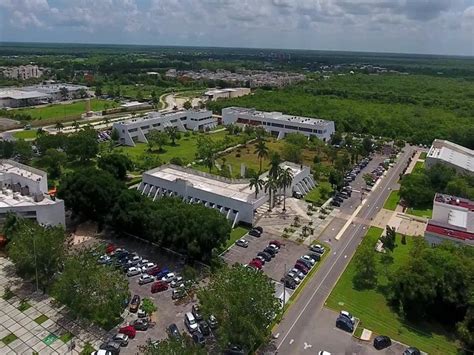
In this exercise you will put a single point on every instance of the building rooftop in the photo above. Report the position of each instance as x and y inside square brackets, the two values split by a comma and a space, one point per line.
[21, 95]
[11, 167]
[8, 198]
[452, 153]
[275, 115]
[455, 201]
[237, 189]
[446, 231]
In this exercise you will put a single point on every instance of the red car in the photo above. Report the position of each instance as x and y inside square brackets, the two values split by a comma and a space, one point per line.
[256, 263]
[110, 248]
[154, 271]
[277, 243]
[302, 268]
[159, 286]
[128, 330]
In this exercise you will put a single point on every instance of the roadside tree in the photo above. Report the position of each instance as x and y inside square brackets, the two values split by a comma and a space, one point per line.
[365, 276]
[82, 145]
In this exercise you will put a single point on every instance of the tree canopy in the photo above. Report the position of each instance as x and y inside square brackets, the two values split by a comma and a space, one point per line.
[116, 164]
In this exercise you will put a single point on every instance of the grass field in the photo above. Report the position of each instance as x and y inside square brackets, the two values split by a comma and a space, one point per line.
[426, 213]
[29, 134]
[372, 308]
[419, 166]
[315, 196]
[392, 200]
[423, 155]
[66, 110]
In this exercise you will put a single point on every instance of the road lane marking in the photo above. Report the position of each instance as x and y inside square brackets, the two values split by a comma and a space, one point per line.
[306, 345]
[291, 341]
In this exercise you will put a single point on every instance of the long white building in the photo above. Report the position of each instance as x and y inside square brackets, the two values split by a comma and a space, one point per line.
[228, 93]
[232, 197]
[24, 191]
[279, 124]
[135, 129]
[452, 155]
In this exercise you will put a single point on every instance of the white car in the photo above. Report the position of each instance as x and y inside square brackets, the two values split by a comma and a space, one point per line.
[177, 281]
[298, 273]
[309, 259]
[348, 316]
[133, 271]
[104, 259]
[143, 262]
[324, 352]
[147, 266]
[168, 277]
[294, 277]
[145, 278]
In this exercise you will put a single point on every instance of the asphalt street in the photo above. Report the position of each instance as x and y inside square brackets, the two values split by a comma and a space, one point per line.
[306, 327]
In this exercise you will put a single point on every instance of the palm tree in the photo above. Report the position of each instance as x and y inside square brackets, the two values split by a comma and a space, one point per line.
[261, 150]
[275, 162]
[285, 178]
[271, 185]
[172, 132]
[256, 182]
[59, 126]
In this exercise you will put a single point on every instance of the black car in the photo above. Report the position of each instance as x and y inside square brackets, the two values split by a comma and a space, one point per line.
[204, 328]
[111, 346]
[196, 312]
[338, 199]
[173, 331]
[234, 350]
[258, 228]
[141, 324]
[315, 256]
[412, 351]
[255, 233]
[335, 203]
[198, 338]
[289, 282]
[305, 263]
[270, 251]
[382, 342]
[264, 255]
[344, 324]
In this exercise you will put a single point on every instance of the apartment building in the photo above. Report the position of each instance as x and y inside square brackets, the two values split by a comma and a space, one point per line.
[22, 72]
[215, 94]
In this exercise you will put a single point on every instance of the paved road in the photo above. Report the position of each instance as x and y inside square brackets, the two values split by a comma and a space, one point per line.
[306, 327]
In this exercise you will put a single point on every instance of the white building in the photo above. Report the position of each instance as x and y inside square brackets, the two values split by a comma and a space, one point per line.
[135, 129]
[24, 191]
[22, 72]
[213, 95]
[232, 197]
[279, 124]
[452, 155]
[453, 220]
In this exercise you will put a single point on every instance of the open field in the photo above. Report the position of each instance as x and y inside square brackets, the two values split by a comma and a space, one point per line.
[426, 213]
[392, 201]
[66, 110]
[372, 308]
[27, 134]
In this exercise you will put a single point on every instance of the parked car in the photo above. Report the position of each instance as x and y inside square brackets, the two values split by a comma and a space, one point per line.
[242, 243]
[265, 256]
[198, 338]
[162, 273]
[141, 324]
[141, 313]
[159, 286]
[102, 352]
[297, 195]
[302, 268]
[133, 271]
[255, 233]
[317, 248]
[348, 316]
[294, 277]
[344, 324]
[204, 328]
[234, 350]
[110, 248]
[335, 203]
[382, 342]
[298, 273]
[257, 263]
[135, 303]
[173, 331]
[212, 322]
[258, 228]
[134, 260]
[104, 259]
[305, 263]
[261, 259]
[147, 267]
[314, 256]
[143, 262]
[190, 322]
[111, 346]
[168, 277]
[274, 247]
[270, 251]
[154, 270]
[277, 243]
[128, 331]
[196, 311]
[178, 293]
[177, 281]
[290, 283]
[309, 259]
[412, 351]
[145, 279]
[121, 338]
[338, 199]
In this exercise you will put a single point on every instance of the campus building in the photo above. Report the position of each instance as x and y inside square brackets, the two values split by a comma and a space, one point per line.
[136, 129]
[232, 197]
[215, 94]
[453, 220]
[22, 72]
[279, 124]
[24, 191]
[452, 155]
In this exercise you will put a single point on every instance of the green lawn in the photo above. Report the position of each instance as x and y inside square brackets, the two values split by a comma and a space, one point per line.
[9, 338]
[315, 196]
[66, 337]
[372, 308]
[423, 155]
[420, 212]
[27, 134]
[392, 200]
[60, 110]
[236, 233]
[419, 166]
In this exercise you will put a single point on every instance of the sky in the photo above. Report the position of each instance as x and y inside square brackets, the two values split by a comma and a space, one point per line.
[400, 26]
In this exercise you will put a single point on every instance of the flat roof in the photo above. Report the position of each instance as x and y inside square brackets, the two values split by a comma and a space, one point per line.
[11, 167]
[21, 95]
[452, 153]
[275, 115]
[8, 198]
[448, 232]
[455, 201]
[238, 190]
[132, 104]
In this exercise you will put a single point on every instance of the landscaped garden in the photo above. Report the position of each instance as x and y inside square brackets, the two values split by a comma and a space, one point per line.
[26, 134]
[320, 193]
[372, 308]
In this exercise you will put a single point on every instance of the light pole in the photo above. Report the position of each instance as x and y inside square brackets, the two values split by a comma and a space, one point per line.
[36, 262]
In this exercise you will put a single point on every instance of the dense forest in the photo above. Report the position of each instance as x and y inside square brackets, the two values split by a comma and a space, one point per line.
[412, 107]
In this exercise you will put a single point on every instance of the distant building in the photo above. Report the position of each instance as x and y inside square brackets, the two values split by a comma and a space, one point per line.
[22, 72]
[212, 95]
[453, 220]
[279, 124]
[231, 197]
[24, 191]
[135, 129]
[452, 155]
